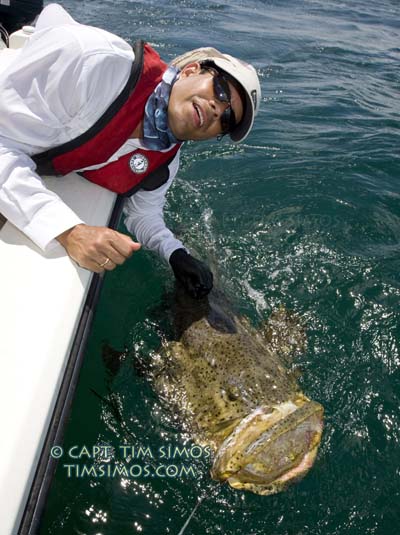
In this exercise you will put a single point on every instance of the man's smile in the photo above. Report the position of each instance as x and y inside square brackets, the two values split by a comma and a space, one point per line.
[200, 115]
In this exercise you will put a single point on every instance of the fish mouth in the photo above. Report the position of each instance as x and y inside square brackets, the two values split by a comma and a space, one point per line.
[271, 448]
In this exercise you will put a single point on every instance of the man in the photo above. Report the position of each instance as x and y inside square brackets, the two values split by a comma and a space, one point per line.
[79, 98]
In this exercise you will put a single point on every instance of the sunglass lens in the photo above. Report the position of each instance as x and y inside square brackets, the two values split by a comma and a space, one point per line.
[223, 94]
[228, 121]
[221, 89]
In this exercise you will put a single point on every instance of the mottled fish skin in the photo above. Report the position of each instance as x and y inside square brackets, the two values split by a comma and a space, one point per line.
[223, 377]
[216, 379]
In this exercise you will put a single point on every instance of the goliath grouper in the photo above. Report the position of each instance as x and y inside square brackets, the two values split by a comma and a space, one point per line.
[231, 386]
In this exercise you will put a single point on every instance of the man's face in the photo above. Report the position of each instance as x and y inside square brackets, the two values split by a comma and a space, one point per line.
[193, 110]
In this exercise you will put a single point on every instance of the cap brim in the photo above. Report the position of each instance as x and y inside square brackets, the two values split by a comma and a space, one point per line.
[245, 125]
[243, 129]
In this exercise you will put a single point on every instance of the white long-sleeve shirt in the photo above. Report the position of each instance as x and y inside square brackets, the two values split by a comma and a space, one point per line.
[51, 91]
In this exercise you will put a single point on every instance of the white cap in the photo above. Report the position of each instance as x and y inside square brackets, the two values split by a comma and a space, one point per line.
[244, 73]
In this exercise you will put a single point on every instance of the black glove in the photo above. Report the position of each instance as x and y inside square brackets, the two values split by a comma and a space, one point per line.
[194, 275]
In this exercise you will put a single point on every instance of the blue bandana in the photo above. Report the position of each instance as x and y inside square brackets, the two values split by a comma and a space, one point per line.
[157, 135]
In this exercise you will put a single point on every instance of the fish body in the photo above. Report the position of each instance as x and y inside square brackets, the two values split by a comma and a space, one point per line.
[232, 387]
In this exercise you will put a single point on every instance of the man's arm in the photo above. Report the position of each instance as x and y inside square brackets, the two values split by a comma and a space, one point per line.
[144, 218]
[27, 203]
[50, 94]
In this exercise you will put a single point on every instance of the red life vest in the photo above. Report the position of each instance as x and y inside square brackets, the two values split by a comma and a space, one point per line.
[140, 168]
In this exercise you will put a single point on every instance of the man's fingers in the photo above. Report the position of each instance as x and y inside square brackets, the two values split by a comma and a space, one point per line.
[109, 266]
[97, 267]
[119, 249]
[124, 245]
[112, 255]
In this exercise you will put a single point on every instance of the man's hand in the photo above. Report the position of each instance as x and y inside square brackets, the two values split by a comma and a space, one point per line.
[196, 277]
[97, 248]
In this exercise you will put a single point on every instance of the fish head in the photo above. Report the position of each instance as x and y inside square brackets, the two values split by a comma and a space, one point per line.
[271, 448]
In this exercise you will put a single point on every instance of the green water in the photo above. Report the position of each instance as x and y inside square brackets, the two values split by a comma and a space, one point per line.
[306, 213]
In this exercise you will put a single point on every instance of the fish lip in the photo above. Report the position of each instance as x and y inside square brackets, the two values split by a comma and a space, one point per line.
[240, 457]
[282, 482]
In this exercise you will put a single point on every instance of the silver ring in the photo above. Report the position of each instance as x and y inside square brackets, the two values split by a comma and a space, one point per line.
[104, 263]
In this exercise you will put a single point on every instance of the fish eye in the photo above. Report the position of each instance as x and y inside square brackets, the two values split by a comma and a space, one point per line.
[233, 394]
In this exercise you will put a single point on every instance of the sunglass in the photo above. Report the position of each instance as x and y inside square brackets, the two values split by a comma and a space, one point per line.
[223, 94]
